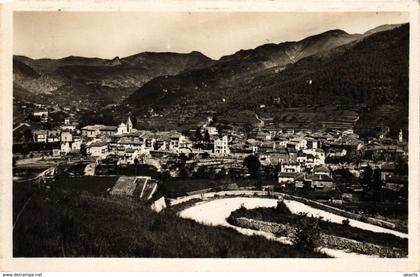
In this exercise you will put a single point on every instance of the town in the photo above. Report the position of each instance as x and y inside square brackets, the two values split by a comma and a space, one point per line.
[331, 165]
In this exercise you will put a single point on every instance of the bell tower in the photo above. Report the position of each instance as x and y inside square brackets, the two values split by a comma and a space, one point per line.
[129, 125]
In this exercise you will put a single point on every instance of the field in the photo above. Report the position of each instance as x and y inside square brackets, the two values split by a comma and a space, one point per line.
[64, 222]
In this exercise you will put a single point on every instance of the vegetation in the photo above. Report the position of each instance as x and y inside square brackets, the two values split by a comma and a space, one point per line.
[60, 222]
[281, 214]
[307, 236]
[253, 164]
[369, 76]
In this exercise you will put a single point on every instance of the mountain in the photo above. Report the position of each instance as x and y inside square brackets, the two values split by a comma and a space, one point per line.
[363, 72]
[94, 82]
[243, 66]
[382, 28]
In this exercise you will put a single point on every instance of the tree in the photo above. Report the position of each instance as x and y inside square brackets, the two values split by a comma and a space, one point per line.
[401, 166]
[27, 135]
[198, 135]
[83, 150]
[307, 236]
[136, 163]
[367, 175]
[207, 136]
[253, 164]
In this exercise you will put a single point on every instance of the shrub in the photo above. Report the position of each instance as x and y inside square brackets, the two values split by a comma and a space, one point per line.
[281, 208]
[307, 235]
[346, 222]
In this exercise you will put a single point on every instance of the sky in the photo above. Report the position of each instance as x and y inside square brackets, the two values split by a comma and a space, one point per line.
[215, 34]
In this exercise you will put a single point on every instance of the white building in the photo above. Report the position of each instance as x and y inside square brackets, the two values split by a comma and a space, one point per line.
[65, 148]
[40, 135]
[292, 167]
[177, 142]
[122, 129]
[66, 137]
[212, 131]
[221, 146]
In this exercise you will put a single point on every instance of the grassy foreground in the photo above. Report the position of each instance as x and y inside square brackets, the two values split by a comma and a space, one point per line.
[62, 222]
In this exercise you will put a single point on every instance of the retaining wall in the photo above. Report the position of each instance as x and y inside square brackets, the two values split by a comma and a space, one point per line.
[328, 241]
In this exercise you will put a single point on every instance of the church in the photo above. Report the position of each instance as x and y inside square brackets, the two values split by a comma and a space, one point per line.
[125, 128]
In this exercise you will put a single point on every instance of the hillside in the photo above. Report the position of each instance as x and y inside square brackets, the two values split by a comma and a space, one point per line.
[94, 82]
[360, 72]
[69, 223]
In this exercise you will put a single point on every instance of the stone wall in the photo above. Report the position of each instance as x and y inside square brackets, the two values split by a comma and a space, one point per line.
[327, 241]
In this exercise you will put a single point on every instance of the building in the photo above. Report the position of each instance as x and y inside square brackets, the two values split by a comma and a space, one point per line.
[288, 177]
[40, 135]
[212, 130]
[93, 131]
[178, 142]
[122, 129]
[396, 183]
[53, 135]
[65, 148]
[290, 167]
[66, 136]
[316, 182]
[41, 115]
[221, 146]
[98, 149]
[321, 170]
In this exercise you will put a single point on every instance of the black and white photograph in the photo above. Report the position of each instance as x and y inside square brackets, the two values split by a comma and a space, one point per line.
[176, 134]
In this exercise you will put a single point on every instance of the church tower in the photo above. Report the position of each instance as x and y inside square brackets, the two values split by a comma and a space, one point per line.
[400, 136]
[129, 125]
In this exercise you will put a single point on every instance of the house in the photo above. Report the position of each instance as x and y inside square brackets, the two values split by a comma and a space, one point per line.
[53, 135]
[221, 146]
[41, 115]
[283, 155]
[322, 182]
[178, 141]
[66, 136]
[387, 170]
[292, 155]
[129, 156]
[312, 144]
[288, 177]
[261, 135]
[212, 130]
[337, 152]
[301, 157]
[65, 148]
[321, 170]
[396, 183]
[319, 157]
[93, 131]
[98, 149]
[56, 152]
[300, 143]
[290, 167]
[40, 135]
[76, 144]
